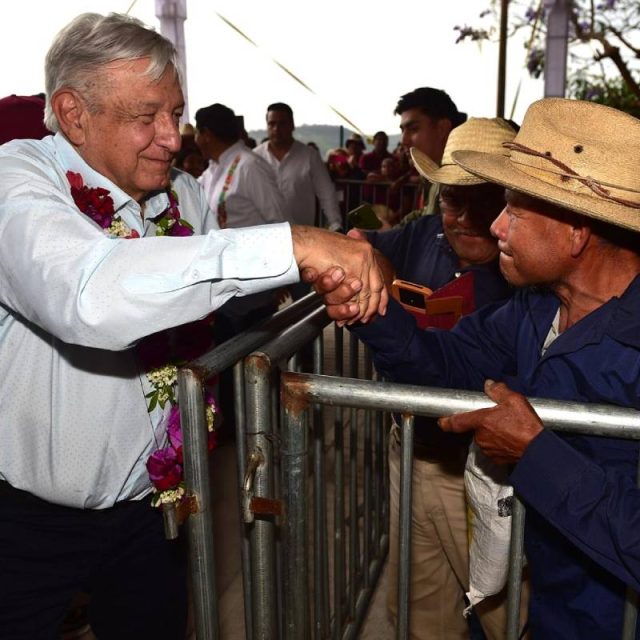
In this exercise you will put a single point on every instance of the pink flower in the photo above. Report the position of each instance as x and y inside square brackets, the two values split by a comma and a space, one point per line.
[179, 229]
[165, 471]
[175, 432]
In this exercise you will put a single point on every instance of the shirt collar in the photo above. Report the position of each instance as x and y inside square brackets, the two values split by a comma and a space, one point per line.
[156, 202]
[71, 160]
[228, 154]
[617, 319]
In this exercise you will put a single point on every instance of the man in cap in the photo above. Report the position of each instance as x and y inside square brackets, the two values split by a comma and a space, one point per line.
[569, 237]
[435, 251]
[355, 147]
[80, 289]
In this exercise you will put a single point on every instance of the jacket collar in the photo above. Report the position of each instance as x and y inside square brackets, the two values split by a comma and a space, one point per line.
[618, 319]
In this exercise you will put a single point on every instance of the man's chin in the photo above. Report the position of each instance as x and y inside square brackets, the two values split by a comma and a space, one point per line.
[158, 182]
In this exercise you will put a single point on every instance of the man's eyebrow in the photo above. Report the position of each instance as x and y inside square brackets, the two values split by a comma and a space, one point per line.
[408, 123]
[143, 106]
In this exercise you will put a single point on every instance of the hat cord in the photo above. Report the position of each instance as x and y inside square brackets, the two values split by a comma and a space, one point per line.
[593, 184]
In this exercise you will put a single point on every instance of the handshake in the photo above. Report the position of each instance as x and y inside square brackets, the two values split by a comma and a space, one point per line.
[344, 271]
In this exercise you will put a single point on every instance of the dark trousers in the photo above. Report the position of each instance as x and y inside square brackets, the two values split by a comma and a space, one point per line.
[136, 579]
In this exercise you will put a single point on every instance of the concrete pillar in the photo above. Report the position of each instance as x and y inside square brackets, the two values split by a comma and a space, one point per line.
[555, 63]
[172, 14]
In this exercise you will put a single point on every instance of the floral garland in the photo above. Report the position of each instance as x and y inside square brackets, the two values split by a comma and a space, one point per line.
[162, 352]
[222, 205]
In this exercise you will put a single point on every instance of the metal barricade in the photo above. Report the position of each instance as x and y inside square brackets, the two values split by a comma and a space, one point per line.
[359, 539]
[285, 448]
[196, 466]
[280, 579]
[301, 390]
[400, 201]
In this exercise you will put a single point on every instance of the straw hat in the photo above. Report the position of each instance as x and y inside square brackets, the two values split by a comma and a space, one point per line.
[578, 155]
[479, 134]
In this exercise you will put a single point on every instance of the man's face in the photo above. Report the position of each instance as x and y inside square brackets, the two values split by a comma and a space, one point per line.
[354, 149]
[424, 133]
[134, 136]
[380, 143]
[467, 214]
[535, 247]
[203, 140]
[279, 127]
[389, 168]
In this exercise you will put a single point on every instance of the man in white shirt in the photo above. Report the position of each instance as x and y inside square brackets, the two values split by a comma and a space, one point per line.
[241, 187]
[80, 288]
[302, 176]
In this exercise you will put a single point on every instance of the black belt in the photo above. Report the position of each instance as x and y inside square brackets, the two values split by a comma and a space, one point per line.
[18, 497]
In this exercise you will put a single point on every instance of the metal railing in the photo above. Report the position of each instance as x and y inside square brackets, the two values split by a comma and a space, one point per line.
[299, 390]
[283, 448]
[196, 460]
[263, 454]
[399, 200]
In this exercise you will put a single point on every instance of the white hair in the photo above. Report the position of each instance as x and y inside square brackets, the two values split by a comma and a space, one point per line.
[91, 41]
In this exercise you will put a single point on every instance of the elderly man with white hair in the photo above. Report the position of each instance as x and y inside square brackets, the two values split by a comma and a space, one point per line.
[101, 245]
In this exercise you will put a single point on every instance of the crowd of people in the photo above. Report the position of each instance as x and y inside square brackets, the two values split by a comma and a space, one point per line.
[116, 232]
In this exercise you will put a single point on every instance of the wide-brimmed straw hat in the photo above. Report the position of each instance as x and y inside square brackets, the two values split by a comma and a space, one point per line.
[479, 134]
[578, 155]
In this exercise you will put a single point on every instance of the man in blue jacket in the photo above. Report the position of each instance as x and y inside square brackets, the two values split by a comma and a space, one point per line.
[568, 236]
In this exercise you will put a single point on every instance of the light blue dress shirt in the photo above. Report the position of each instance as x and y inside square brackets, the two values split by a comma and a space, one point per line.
[74, 426]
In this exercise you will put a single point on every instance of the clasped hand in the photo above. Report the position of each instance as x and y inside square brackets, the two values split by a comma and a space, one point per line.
[344, 271]
[504, 431]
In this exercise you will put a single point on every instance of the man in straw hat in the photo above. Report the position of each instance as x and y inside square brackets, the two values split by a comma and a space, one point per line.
[569, 237]
[434, 251]
[92, 262]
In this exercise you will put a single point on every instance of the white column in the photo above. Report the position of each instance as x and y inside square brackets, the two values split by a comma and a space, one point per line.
[172, 14]
[555, 61]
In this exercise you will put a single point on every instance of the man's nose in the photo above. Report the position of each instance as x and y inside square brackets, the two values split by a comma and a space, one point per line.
[168, 135]
[498, 226]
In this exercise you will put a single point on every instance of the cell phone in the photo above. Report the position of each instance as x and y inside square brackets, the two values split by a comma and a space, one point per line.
[412, 296]
[364, 217]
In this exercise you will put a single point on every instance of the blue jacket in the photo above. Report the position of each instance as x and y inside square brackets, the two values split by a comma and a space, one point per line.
[582, 534]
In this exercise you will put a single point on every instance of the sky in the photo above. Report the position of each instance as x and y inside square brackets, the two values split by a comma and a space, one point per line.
[357, 56]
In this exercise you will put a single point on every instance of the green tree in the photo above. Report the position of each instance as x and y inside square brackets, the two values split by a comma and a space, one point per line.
[604, 46]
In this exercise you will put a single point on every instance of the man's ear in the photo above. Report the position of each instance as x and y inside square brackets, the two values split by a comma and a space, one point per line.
[444, 127]
[580, 234]
[70, 111]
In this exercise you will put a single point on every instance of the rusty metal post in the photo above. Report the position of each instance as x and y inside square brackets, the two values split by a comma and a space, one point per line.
[199, 524]
[262, 530]
[295, 562]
